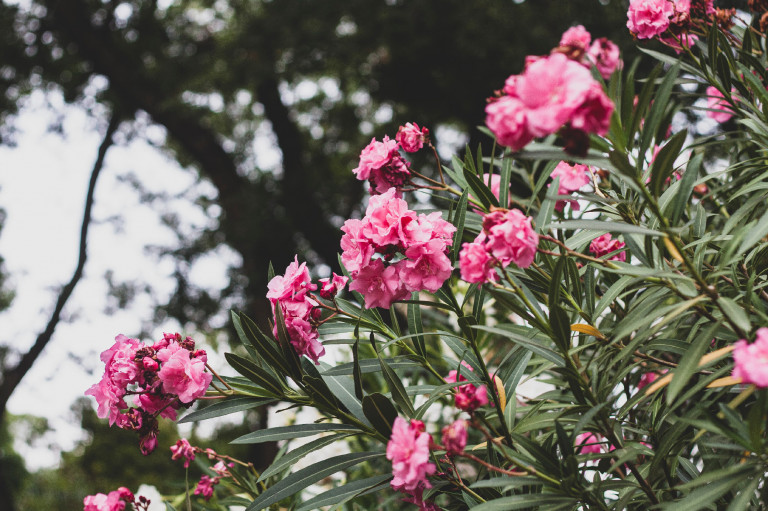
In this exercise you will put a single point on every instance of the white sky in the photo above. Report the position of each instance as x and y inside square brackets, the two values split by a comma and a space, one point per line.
[43, 182]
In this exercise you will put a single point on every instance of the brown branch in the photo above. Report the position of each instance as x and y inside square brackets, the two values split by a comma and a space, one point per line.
[13, 377]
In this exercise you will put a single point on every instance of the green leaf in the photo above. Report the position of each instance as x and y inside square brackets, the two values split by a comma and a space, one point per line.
[690, 362]
[663, 165]
[225, 407]
[754, 235]
[290, 432]
[548, 206]
[370, 365]
[527, 343]
[297, 481]
[599, 225]
[296, 454]
[343, 389]
[284, 341]
[357, 374]
[380, 412]
[396, 388]
[342, 494]
[264, 344]
[506, 175]
[458, 220]
[415, 327]
[735, 313]
[527, 501]
[683, 195]
[703, 497]
[255, 373]
[657, 110]
[480, 190]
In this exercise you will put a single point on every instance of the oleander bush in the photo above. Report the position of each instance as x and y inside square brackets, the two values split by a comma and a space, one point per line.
[573, 316]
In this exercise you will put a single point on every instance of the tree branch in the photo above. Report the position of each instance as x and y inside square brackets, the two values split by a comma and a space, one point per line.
[12, 377]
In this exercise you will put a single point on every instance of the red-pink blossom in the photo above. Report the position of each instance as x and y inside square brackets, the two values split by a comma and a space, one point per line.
[468, 397]
[551, 89]
[374, 156]
[304, 337]
[506, 117]
[589, 443]
[455, 437]
[604, 245]
[356, 247]
[411, 138]
[109, 398]
[408, 450]
[114, 501]
[395, 175]
[594, 113]
[205, 486]
[379, 285]
[751, 360]
[646, 379]
[649, 18]
[386, 215]
[572, 178]
[293, 286]
[426, 266]
[476, 263]
[329, 287]
[719, 108]
[576, 37]
[182, 375]
[183, 449]
[512, 239]
[605, 55]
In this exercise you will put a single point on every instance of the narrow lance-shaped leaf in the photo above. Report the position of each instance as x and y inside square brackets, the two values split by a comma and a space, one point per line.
[399, 395]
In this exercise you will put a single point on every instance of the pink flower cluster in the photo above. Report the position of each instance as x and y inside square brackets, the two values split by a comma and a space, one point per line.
[672, 21]
[381, 163]
[554, 92]
[572, 178]
[184, 450]
[408, 450]
[393, 251]
[751, 360]
[603, 53]
[468, 397]
[115, 501]
[603, 245]
[299, 308]
[161, 377]
[507, 237]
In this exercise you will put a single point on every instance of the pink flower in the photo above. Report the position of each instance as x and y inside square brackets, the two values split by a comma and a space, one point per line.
[506, 117]
[476, 263]
[455, 437]
[119, 360]
[751, 360]
[589, 443]
[101, 502]
[594, 114]
[205, 486]
[576, 37]
[356, 247]
[304, 337]
[374, 156]
[109, 398]
[148, 442]
[292, 286]
[572, 178]
[427, 266]
[646, 379]
[603, 245]
[720, 110]
[386, 215]
[395, 174]
[153, 403]
[411, 137]
[468, 397]
[605, 55]
[182, 375]
[512, 238]
[331, 286]
[380, 286]
[551, 89]
[408, 450]
[183, 449]
[649, 18]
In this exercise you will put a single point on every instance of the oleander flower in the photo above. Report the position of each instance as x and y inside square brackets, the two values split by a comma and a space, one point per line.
[603, 245]
[751, 360]
[455, 437]
[605, 55]
[589, 443]
[576, 37]
[408, 450]
[649, 18]
[572, 178]
[719, 109]
[183, 449]
[183, 375]
[411, 138]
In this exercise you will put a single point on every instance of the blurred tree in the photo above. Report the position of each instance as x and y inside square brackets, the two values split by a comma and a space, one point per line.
[311, 80]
